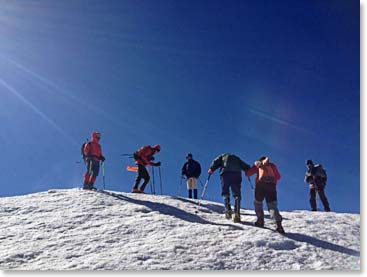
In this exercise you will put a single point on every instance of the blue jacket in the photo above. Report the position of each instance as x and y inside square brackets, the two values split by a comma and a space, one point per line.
[191, 169]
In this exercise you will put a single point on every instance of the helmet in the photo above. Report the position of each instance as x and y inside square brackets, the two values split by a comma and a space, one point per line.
[157, 147]
[96, 136]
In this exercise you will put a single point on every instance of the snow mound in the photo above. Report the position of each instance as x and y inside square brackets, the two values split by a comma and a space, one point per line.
[84, 230]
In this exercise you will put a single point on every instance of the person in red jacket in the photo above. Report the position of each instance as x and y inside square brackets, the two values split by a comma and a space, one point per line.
[93, 154]
[266, 182]
[144, 157]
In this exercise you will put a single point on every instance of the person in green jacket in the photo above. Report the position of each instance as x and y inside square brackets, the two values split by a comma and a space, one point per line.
[230, 173]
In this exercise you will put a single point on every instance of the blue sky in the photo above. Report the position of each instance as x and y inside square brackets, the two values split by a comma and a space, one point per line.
[248, 77]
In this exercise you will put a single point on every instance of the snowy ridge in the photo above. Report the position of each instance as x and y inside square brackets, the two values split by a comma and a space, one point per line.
[83, 230]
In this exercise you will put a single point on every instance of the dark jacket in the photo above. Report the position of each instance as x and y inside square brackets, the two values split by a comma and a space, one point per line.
[191, 169]
[229, 163]
[316, 176]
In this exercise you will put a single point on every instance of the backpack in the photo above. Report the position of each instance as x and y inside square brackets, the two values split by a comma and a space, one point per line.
[266, 174]
[82, 149]
[136, 156]
[320, 172]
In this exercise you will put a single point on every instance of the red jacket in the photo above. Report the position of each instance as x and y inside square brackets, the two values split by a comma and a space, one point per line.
[93, 150]
[145, 154]
[263, 171]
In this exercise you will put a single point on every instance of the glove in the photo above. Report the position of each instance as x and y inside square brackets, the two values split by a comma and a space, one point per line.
[210, 171]
[102, 158]
[151, 158]
[157, 164]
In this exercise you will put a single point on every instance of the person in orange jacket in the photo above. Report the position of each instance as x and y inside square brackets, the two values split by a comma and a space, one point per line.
[93, 155]
[144, 157]
[266, 182]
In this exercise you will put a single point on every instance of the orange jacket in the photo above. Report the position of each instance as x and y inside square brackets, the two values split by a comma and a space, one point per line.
[145, 154]
[266, 169]
[93, 149]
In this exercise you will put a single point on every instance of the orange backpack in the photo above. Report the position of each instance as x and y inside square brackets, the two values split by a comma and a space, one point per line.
[266, 173]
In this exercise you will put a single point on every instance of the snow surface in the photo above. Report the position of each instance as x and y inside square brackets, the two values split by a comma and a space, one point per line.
[84, 230]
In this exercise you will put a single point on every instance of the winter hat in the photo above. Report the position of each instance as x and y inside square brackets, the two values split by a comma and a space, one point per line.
[189, 156]
[263, 160]
[157, 147]
[309, 162]
[96, 136]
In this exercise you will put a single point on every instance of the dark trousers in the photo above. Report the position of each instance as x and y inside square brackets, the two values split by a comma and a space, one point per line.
[142, 174]
[231, 180]
[321, 191]
[267, 191]
[91, 174]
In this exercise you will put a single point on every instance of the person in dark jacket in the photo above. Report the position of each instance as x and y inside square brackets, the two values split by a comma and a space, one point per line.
[230, 172]
[144, 157]
[316, 178]
[191, 170]
[266, 188]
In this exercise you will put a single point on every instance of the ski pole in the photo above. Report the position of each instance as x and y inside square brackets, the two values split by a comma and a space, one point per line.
[104, 180]
[252, 187]
[160, 179]
[204, 190]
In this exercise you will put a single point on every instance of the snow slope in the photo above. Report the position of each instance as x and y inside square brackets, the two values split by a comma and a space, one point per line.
[83, 230]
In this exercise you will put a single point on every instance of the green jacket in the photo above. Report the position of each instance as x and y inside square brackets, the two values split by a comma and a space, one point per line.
[229, 162]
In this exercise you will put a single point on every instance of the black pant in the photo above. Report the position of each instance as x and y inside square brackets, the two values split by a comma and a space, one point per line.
[321, 191]
[265, 191]
[92, 167]
[142, 174]
[231, 180]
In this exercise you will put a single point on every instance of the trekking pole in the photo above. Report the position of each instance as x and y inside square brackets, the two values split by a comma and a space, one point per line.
[249, 180]
[201, 182]
[160, 178]
[153, 180]
[103, 175]
[202, 186]
[180, 186]
[204, 190]
[127, 155]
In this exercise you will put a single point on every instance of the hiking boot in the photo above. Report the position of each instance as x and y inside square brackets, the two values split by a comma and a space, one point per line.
[228, 214]
[87, 186]
[259, 223]
[279, 228]
[135, 191]
[237, 218]
[140, 191]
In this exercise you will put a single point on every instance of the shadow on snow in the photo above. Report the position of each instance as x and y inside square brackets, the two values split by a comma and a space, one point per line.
[322, 244]
[169, 210]
[183, 215]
